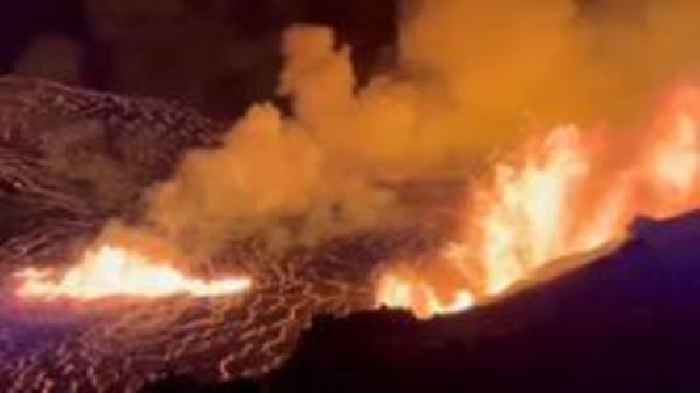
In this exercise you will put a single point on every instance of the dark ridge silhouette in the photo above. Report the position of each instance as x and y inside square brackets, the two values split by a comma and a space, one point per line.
[627, 322]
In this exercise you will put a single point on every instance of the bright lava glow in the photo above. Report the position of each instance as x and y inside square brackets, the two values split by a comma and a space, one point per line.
[112, 271]
[569, 192]
[422, 299]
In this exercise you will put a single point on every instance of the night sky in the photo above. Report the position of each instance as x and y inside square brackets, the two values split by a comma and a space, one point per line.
[218, 55]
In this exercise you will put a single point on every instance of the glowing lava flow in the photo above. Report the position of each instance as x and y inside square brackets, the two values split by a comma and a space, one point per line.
[568, 193]
[111, 271]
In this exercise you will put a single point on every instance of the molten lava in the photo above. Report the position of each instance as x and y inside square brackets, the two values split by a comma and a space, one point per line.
[566, 193]
[112, 271]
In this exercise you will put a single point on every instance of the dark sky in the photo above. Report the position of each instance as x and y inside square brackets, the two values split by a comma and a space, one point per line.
[21, 21]
[219, 55]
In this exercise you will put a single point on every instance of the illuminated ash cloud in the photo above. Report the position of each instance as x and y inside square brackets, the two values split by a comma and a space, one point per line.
[565, 193]
[470, 79]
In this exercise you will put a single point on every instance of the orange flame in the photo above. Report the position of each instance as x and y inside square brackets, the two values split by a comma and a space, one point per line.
[565, 194]
[112, 271]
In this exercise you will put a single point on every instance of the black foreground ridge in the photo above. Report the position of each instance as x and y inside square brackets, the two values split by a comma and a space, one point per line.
[628, 322]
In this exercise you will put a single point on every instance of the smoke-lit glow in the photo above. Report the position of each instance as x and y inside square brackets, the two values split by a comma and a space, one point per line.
[565, 194]
[112, 271]
[468, 78]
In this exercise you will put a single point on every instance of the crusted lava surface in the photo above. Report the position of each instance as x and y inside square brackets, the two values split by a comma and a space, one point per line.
[56, 145]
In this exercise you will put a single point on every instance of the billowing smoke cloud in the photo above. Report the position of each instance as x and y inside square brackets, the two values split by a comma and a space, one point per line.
[472, 76]
[507, 64]
[272, 179]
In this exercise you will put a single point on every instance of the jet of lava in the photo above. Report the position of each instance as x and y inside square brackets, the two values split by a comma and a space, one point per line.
[113, 271]
[566, 193]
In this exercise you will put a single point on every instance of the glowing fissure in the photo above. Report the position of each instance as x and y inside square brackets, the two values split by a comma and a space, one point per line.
[562, 195]
[112, 271]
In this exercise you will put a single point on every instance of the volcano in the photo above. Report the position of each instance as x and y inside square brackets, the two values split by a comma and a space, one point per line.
[73, 161]
[465, 191]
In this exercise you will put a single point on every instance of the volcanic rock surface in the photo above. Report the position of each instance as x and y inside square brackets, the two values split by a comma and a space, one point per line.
[626, 322]
[70, 160]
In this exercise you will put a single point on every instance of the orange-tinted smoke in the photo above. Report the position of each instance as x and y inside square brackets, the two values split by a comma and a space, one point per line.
[564, 194]
[472, 77]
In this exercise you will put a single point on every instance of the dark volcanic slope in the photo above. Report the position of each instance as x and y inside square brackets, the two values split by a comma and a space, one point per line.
[69, 160]
[627, 322]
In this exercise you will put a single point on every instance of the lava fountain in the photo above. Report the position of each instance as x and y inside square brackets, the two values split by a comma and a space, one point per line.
[563, 193]
[109, 271]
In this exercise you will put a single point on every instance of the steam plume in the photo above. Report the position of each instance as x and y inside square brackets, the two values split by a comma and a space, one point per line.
[472, 76]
